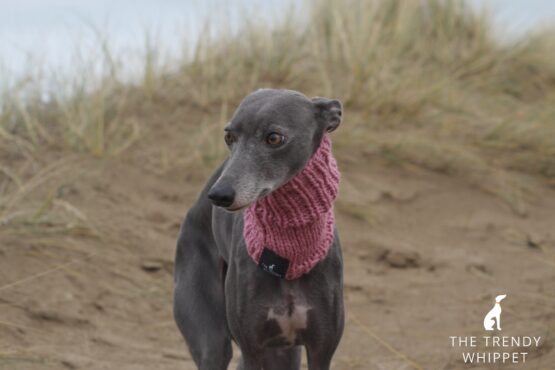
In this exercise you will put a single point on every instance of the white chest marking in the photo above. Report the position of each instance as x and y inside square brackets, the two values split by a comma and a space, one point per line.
[290, 324]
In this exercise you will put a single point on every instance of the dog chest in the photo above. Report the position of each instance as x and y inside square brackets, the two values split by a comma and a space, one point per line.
[283, 320]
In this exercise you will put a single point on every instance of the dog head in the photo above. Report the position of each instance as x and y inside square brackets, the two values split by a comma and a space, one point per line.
[271, 137]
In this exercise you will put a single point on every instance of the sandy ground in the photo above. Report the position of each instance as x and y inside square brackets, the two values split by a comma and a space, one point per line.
[424, 256]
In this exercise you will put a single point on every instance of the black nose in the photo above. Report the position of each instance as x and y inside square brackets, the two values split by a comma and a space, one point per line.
[222, 195]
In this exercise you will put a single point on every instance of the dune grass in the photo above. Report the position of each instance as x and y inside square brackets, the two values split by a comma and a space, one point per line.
[423, 82]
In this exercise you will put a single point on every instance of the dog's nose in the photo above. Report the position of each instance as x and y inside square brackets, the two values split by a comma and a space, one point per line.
[222, 195]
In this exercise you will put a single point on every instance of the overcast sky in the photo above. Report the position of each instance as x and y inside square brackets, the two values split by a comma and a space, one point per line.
[49, 29]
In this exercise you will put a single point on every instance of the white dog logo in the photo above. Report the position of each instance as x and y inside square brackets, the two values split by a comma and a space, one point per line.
[494, 315]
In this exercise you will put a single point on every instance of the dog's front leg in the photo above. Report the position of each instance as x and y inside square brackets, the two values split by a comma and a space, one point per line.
[319, 360]
[199, 303]
[319, 357]
[249, 362]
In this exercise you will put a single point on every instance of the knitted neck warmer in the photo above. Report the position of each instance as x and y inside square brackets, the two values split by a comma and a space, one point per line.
[290, 230]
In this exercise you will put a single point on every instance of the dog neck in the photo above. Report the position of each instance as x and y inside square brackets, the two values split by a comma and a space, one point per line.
[290, 230]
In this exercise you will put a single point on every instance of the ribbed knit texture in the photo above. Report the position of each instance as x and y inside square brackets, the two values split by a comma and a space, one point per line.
[296, 220]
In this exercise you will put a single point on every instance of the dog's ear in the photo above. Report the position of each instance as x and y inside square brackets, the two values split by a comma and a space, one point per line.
[328, 112]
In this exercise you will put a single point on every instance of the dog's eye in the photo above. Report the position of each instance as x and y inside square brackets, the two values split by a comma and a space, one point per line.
[229, 138]
[275, 139]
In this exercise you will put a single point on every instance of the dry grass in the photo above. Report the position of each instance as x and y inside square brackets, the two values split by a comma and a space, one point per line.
[423, 82]
[35, 204]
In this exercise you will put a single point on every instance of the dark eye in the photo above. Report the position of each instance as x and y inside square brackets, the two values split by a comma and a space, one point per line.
[229, 138]
[275, 139]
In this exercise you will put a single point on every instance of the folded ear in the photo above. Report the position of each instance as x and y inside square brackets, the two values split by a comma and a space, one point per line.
[328, 112]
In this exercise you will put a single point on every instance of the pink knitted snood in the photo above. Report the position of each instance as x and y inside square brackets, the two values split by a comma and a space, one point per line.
[290, 230]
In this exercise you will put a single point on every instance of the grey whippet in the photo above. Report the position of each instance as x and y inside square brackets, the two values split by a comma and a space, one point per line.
[220, 294]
